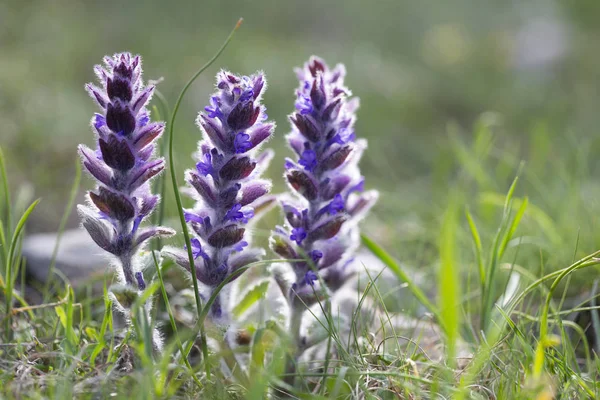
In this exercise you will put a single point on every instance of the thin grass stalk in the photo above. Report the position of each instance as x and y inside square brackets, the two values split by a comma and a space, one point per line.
[542, 343]
[9, 281]
[292, 356]
[7, 204]
[186, 235]
[172, 320]
[161, 185]
[497, 251]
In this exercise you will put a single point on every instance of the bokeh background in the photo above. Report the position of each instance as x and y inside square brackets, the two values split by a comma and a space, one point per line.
[454, 94]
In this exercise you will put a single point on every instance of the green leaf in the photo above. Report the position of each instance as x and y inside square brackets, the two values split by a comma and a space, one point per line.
[338, 387]
[496, 253]
[449, 280]
[540, 217]
[478, 247]
[513, 226]
[257, 356]
[15, 238]
[62, 316]
[12, 250]
[91, 333]
[260, 345]
[251, 297]
[7, 205]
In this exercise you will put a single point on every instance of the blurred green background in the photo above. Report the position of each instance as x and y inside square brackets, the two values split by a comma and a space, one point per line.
[425, 71]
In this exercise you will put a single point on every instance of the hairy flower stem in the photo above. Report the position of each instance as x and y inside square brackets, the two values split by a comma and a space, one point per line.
[297, 306]
[296, 345]
[126, 264]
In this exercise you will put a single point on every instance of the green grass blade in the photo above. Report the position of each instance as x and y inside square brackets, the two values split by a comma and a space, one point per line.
[3, 248]
[509, 195]
[513, 227]
[9, 280]
[478, 247]
[253, 295]
[543, 341]
[449, 282]
[595, 319]
[172, 320]
[495, 254]
[7, 203]
[547, 225]
[161, 183]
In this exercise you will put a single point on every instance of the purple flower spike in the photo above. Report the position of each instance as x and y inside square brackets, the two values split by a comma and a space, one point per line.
[227, 182]
[122, 164]
[325, 179]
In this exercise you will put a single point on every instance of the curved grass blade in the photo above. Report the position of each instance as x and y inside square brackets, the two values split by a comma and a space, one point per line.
[503, 235]
[206, 308]
[172, 320]
[513, 226]
[9, 280]
[544, 342]
[186, 234]
[478, 247]
[7, 211]
[253, 295]
[546, 224]
[218, 289]
[160, 184]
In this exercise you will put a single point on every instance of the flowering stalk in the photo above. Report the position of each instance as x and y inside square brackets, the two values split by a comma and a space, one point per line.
[122, 164]
[320, 235]
[226, 184]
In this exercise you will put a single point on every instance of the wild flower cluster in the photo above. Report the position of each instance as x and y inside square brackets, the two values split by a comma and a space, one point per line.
[226, 182]
[321, 213]
[320, 233]
[123, 164]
